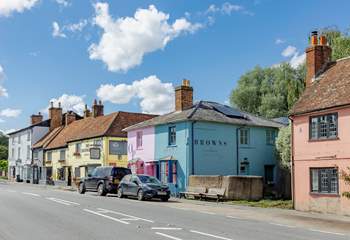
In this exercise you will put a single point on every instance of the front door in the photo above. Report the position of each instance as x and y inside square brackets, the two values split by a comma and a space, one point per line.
[69, 176]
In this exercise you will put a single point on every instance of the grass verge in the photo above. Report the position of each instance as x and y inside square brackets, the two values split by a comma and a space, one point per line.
[284, 204]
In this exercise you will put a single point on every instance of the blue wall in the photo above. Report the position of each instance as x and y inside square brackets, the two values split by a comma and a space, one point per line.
[215, 150]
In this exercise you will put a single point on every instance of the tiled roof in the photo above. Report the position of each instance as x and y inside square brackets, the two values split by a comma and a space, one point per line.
[108, 125]
[330, 89]
[47, 138]
[45, 123]
[210, 112]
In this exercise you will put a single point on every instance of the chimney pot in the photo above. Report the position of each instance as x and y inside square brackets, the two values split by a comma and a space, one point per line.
[97, 109]
[314, 38]
[323, 40]
[51, 103]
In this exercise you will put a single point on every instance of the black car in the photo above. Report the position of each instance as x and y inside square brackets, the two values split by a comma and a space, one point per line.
[143, 187]
[103, 180]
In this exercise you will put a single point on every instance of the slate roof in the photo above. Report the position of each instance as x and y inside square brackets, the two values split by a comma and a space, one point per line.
[47, 138]
[45, 123]
[210, 112]
[331, 88]
[111, 125]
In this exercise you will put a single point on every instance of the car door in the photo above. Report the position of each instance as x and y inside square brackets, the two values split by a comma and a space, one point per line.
[94, 178]
[133, 186]
[89, 178]
[124, 184]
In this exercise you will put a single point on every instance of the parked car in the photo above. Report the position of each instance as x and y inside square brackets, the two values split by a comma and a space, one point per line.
[143, 187]
[103, 180]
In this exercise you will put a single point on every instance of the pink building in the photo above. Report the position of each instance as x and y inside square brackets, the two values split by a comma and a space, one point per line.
[321, 133]
[141, 159]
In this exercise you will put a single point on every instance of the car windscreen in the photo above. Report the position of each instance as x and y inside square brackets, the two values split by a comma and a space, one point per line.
[120, 172]
[149, 179]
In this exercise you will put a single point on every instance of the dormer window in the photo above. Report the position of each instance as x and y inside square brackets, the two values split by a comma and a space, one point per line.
[324, 127]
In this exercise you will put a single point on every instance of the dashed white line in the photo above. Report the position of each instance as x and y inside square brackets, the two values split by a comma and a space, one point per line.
[168, 236]
[125, 215]
[11, 191]
[210, 235]
[320, 231]
[233, 217]
[61, 201]
[166, 228]
[31, 194]
[282, 225]
[106, 216]
[206, 212]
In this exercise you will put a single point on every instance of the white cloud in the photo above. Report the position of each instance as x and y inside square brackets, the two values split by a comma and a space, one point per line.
[289, 51]
[296, 59]
[56, 31]
[76, 27]
[7, 7]
[63, 3]
[156, 97]
[10, 113]
[69, 103]
[226, 8]
[125, 41]
[279, 41]
[3, 91]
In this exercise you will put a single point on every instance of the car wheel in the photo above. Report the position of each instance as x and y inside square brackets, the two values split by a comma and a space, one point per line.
[164, 199]
[140, 196]
[82, 188]
[101, 191]
[120, 193]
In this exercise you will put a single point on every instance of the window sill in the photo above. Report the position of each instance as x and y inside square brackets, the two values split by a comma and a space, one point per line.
[334, 195]
[324, 139]
[171, 146]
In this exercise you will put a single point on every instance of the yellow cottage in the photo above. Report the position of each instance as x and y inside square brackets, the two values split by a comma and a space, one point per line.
[81, 145]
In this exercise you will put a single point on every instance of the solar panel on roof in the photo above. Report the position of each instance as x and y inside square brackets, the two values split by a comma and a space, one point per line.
[228, 111]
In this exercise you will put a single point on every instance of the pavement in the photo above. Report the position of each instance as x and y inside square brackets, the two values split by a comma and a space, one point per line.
[32, 212]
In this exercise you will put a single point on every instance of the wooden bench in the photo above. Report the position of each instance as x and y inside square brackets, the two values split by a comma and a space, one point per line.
[215, 193]
[196, 192]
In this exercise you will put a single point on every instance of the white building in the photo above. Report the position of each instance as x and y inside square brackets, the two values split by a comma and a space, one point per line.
[20, 148]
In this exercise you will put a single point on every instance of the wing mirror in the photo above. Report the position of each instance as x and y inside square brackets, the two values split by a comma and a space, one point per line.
[135, 182]
[89, 175]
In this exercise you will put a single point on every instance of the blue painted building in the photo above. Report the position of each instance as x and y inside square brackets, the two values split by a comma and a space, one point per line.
[209, 138]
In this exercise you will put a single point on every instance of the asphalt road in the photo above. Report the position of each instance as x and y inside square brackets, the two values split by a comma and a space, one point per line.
[34, 213]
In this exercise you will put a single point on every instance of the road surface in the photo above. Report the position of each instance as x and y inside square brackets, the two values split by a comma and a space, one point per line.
[33, 213]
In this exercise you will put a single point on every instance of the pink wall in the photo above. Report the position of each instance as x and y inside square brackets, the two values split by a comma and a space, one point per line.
[146, 152]
[328, 153]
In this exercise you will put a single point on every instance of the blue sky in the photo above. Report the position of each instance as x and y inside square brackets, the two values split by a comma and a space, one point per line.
[131, 54]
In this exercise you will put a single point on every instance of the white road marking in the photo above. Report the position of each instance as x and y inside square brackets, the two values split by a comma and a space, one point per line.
[206, 212]
[31, 194]
[12, 191]
[106, 216]
[233, 217]
[179, 208]
[168, 236]
[125, 215]
[209, 235]
[282, 225]
[62, 201]
[334, 233]
[166, 228]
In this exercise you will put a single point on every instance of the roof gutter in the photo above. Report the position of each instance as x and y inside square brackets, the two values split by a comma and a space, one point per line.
[318, 110]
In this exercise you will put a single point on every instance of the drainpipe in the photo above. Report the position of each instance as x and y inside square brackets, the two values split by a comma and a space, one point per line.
[292, 162]
[192, 147]
[237, 148]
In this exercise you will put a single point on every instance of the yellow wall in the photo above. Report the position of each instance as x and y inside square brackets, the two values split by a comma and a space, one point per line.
[82, 160]
[55, 163]
[117, 160]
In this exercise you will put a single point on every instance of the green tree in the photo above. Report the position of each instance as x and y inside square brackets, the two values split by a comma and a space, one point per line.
[346, 177]
[3, 165]
[3, 152]
[283, 146]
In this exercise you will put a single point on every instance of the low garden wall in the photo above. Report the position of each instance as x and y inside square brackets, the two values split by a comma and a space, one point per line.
[236, 187]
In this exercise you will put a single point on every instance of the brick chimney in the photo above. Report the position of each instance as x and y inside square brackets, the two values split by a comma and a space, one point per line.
[87, 112]
[183, 96]
[36, 118]
[317, 55]
[97, 109]
[55, 114]
[70, 117]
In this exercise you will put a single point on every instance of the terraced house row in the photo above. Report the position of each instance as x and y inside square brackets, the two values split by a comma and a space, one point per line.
[203, 138]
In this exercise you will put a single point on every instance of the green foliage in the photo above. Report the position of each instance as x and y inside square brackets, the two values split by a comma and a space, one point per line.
[283, 146]
[269, 92]
[3, 152]
[3, 165]
[340, 42]
[3, 140]
[285, 204]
